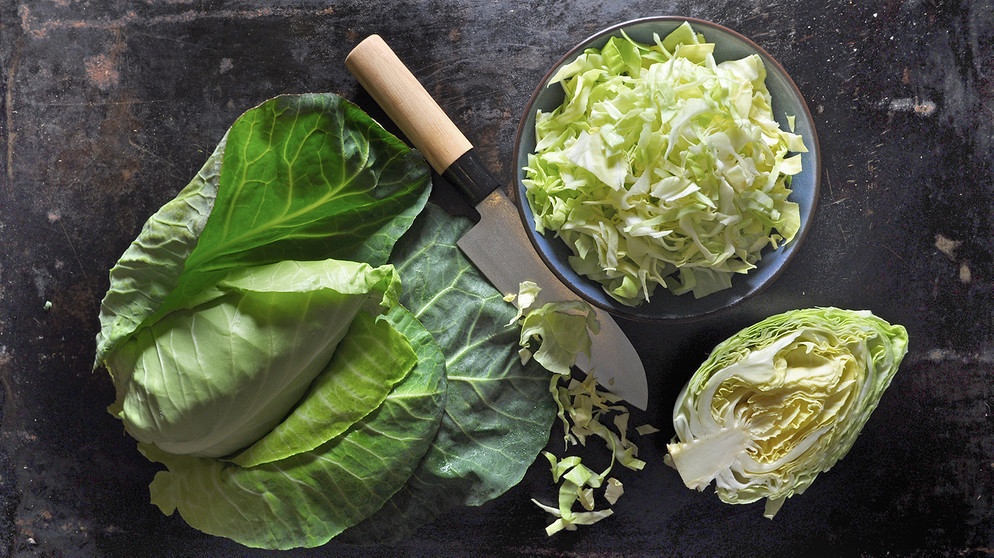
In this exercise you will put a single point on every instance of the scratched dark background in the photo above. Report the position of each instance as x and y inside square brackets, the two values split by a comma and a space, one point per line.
[109, 108]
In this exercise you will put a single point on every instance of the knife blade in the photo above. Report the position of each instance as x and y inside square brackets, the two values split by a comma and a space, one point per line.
[498, 244]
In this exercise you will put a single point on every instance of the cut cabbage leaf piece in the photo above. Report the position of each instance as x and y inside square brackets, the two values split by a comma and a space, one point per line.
[663, 167]
[782, 401]
[562, 330]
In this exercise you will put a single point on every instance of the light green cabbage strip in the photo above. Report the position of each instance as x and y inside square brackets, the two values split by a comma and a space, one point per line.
[561, 327]
[562, 330]
[782, 401]
[663, 167]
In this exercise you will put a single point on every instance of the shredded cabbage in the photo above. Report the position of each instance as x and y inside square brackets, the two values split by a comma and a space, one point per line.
[562, 331]
[663, 167]
[782, 401]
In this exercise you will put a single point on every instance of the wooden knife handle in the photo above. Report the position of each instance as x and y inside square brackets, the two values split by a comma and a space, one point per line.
[378, 69]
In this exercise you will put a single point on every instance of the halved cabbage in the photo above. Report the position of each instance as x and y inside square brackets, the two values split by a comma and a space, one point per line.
[781, 401]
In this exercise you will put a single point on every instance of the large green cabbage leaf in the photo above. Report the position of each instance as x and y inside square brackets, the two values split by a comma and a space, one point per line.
[307, 177]
[782, 401]
[237, 320]
[498, 413]
[663, 167]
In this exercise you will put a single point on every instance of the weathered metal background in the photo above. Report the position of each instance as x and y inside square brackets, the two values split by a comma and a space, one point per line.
[109, 108]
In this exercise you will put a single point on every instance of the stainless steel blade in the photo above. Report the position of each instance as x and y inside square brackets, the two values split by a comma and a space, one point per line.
[499, 246]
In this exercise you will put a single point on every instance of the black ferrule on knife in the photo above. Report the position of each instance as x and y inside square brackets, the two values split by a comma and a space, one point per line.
[471, 177]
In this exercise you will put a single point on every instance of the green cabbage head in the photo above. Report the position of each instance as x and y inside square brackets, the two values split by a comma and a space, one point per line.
[781, 401]
[264, 352]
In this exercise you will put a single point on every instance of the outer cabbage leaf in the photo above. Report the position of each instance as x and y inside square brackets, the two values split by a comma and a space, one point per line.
[782, 401]
[663, 167]
[308, 498]
[149, 268]
[365, 369]
[498, 414]
[307, 177]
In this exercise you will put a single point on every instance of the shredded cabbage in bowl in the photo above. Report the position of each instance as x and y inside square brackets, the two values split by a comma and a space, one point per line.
[663, 167]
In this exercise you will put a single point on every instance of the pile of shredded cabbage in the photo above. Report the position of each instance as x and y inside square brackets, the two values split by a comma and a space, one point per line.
[562, 331]
[663, 167]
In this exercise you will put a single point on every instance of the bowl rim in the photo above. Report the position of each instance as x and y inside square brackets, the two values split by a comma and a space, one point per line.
[791, 249]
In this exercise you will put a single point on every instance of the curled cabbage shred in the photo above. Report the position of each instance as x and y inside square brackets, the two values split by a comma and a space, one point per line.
[663, 167]
[782, 401]
[562, 330]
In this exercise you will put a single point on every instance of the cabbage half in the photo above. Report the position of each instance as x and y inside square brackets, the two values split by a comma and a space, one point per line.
[781, 401]
[663, 167]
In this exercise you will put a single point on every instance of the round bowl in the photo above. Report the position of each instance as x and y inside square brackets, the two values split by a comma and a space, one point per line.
[663, 305]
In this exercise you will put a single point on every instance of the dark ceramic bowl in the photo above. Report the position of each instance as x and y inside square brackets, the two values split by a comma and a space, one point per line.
[663, 305]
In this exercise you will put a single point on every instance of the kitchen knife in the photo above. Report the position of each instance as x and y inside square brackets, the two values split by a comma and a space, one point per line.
[498, 244]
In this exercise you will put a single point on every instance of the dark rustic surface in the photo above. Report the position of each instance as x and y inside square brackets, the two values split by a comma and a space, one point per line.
[109, 108]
